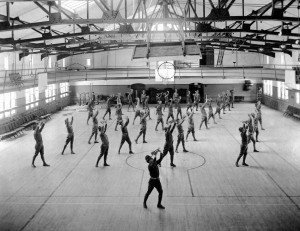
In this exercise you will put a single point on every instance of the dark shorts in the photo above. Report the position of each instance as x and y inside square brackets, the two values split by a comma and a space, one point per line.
[95, 130]
[125, 138]
[154, 183]
[168, 148]
[39, 148]
[137, 113]
[90, 113]
[191, 129]
[160, 120]
[180, 137]
[108, 109]
[69, 138]
[104, 149]
[244, 149]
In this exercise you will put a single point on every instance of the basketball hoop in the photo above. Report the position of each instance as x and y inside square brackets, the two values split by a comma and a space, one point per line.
[166, 71]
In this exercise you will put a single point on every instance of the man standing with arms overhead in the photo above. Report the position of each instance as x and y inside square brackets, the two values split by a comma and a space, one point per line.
[159, 115]
[191, 127]
[196, 99]
[218, 108]
[154, 181]
[170, 112]
[180, 137]
[39, 146]
[188, 101]
[90, 112]
[143, 98]
[108, 107]
[244, 146]
[210, 112]
[70, 138]
[168, 147]
[204, 115]
[143, 127]
[166, 96]
[104, 145]
[130, 102]
[125, 136]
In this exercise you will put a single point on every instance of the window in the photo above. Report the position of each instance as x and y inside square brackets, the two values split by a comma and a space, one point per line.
[7, 104]
[6, 64]
[32, 97]
[88, 62]
[50, 93]
[268, 87]
[31, 62]
[64, 89]
[64, 62]
[49, 62]
[298, 94]
[282, 90]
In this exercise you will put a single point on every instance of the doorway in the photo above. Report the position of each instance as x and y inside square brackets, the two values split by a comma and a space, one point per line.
[197, 86]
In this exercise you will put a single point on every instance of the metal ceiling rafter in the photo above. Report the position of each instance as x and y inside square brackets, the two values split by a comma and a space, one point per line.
[143, 20]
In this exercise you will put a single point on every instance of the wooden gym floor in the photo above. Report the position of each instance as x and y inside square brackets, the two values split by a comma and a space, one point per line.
[204, 192]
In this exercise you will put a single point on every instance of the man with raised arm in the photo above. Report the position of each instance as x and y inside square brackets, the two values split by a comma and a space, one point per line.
[159, 115]
[154, 181]
[125, 136]
[108, 107]
[180, 136]
[39, 146]
[130, 101]
[104, 145]
[95, 128]
[143, 127]
[191, 127]
[70, 137]
[244, 146]
[168, 147]
[204, 115]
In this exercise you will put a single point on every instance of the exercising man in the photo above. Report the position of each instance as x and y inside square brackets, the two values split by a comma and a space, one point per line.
[137, 110]
[244, 146]
[251, 132]
[154, 181]
[104, 145]
[108, 107]
[258, 111]
[166, 96]
[125, 136]
[170, 112]
[130, 101]
[180, 136]
[179, 112]
[218, 108]
[159, 115]
[196, 99]
[119, 116]
[191, 127]
[95, 128]
[210, 112]
[227, 101]
[255, 125]
[223, 106]
[147, 106]
[143, 127]
[232, 97]
[188, 101]
[168, 147]
[143, 97]
[204, 115]
[39, 146]
[175, 97]
[70, 137]
[90, 111]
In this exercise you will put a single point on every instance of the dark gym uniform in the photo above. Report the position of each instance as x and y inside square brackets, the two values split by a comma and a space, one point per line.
[125, 136]
[244, 146]
[104, 145]
[168, 147]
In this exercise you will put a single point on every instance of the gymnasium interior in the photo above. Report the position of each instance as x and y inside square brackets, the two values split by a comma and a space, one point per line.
[56, 57]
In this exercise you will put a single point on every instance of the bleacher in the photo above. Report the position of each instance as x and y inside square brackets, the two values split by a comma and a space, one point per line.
[17, 124]
[292, 112]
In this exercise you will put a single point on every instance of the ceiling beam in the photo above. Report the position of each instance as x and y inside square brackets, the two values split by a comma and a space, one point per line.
[144, 20]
